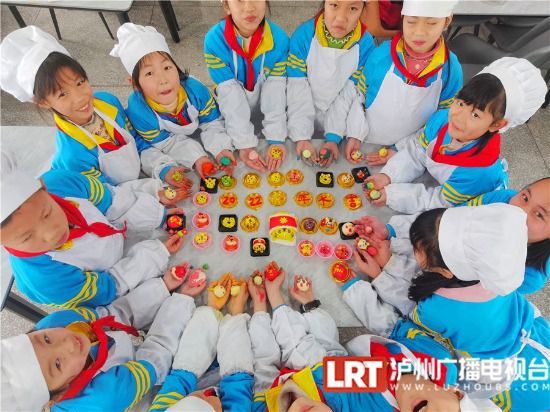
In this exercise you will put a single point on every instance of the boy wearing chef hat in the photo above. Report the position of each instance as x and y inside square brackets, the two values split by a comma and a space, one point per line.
[81, 358]
[460, 146]
[168, 106]
[63, 248]
[94, 136]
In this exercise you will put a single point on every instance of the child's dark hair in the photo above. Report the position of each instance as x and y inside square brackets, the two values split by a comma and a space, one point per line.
[424, 236]
[46, 80]
[184, 74]
[485, 91]
[538, 253]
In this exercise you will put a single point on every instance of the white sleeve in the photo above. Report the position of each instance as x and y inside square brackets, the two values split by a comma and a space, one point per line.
[322, 326]
[214, 137]
[146, 185]
[139, 306]
[300, 110]
[182, 148]
[266, 351]
[273, 107]
[236, 112]
[407, 164]
[401, 144]
[161, 341]
[356, 122]
[378, 317]
[402, 225]
[139, 210]
[299, 348]
[343, 117]
[414, 197]
[145, 260]
[197, 347]
[234, 347]
[154, 160]
[393, 283]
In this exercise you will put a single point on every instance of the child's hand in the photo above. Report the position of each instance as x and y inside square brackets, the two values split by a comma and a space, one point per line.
[258, 295]
[371, 226]
[302, 296]
[273, 289]
[181, 194]
[193, 291]
[334, 154]
[217, 287]
[352, 145]
[176, 177]
[380, 180]
[257, 163]
[237, 303]
[175, 276]
[381, 201]
[307, 145]
[366, 263]
[384, 250]
[276, 154]
[374, 158]
[204, 167]
[228, 170]
[174, 243]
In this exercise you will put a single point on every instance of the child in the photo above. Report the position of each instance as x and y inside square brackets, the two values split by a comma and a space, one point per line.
[409, 78]
[168, 106]
[460, 146]
[94, 136]
[535, 201]
[83, 358]
[63, 249]
[209, 332]
[325, 78]
[246, 55]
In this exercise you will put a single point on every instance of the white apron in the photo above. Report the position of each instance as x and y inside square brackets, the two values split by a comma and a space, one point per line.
[401, 109]
[252, 96]
[120, 352]
[328, 70]
[91, 252]
[121, 165]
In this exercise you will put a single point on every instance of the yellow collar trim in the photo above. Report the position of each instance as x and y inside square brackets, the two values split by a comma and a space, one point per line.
[73, 131]
[159, 108]
[322, 38]
[304, 380]
[438, 59]
[266, 44]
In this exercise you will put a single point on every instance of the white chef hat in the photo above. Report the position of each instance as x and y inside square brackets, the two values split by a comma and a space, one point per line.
[22, 52]
[433, 8]
[135, 41]
[486, 243]
[524, 86]
[16, 186]
[191, 404]
[23, 385]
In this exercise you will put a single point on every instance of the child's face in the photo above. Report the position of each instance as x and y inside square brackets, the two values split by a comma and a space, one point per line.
[73, 99]
[38, 225]
[159, 79]
[535, 201]
[307, 404]
[421, 33]
[62, 355]
[247, 15]
[411, 393]
[341, 17]
[467, 124]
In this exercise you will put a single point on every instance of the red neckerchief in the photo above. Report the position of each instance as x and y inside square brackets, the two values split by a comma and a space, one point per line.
[231, 38]
[87, 375]
[80, 227]
[419, 80]
[114, 146]
[467, 158]
[179, 117]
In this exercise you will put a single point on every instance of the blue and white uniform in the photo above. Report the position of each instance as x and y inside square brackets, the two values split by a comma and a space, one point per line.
[327, 85]
[462, 174]
[229, 71]
[393, 93]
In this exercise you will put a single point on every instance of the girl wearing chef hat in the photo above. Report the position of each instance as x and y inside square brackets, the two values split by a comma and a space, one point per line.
[460, 146]
[246, 54]
[84, 358]
[167, 106]
[63, 248]
[325, 82]
[94, 136]
[409, 77]
[473, 260]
